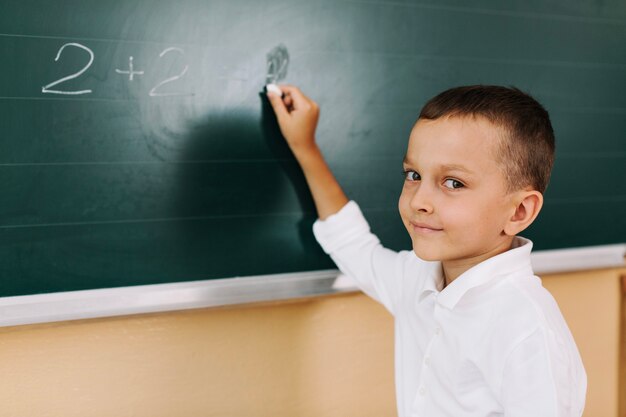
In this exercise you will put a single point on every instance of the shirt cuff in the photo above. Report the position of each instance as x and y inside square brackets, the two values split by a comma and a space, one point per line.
[340, 228]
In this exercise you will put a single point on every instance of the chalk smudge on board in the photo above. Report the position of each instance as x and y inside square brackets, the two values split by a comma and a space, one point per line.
[277, 63]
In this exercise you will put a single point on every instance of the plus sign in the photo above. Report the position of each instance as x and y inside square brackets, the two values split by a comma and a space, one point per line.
[131, 72]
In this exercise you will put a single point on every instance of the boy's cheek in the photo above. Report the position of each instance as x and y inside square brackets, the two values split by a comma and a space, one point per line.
[404, 209]
[404, 202]
[401, 206]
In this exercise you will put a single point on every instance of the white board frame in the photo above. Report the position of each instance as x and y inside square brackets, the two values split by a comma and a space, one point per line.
[109, 302]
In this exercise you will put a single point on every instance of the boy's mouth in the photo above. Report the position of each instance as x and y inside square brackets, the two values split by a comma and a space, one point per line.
[423, 228]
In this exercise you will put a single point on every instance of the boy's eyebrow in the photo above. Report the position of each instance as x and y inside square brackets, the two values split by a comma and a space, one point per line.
[446, 167]
[453, 167]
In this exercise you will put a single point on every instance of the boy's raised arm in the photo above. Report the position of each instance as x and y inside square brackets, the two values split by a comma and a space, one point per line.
[297, 117]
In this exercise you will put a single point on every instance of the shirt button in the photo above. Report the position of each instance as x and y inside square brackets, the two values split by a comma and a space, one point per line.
[422, 391]
[438, 330]
[427, 360]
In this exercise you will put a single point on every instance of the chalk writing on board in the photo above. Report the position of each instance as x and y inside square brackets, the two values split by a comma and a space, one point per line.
[153, 92]
[131, 71]
[277, 63]
[46, 88]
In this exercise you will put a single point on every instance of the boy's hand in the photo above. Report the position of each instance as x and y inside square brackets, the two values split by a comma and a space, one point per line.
[297, 117]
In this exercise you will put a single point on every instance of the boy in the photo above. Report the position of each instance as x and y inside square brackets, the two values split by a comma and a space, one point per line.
[476, 333]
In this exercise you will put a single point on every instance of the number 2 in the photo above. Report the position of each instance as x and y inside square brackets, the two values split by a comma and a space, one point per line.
[153, 92]
[46, 88]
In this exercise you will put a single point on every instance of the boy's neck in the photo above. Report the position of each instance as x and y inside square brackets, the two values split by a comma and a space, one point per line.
[452, 269]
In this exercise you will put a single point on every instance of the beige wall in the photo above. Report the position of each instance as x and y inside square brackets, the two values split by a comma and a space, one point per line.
[622, 359]
[328, 356]
[591, 304]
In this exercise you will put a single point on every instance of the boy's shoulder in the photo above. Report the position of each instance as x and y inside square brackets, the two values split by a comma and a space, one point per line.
[520, 301]
[520, 307]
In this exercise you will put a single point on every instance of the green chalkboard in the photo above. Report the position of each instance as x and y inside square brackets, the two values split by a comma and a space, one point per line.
[135, 147]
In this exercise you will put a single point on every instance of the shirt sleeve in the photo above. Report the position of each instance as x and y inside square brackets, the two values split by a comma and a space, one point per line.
[540, 379]
[358, 253]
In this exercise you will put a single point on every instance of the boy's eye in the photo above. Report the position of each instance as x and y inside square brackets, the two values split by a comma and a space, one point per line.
[453, 184]
[411, 176]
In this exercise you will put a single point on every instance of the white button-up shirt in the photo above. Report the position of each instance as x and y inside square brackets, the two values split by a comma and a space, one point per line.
[492, 343]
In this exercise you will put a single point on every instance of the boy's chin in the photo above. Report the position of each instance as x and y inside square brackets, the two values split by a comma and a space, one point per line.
[426, 255]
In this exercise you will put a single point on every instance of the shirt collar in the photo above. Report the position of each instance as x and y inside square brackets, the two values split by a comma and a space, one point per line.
[515, 259]
[434, 280]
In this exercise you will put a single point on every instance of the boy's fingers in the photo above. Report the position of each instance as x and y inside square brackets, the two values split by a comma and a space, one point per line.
[278, 105]
[288, 100]
[298, 98]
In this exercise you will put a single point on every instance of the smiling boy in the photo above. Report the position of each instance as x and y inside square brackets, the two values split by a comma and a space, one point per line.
[476, 333]
[455, 202]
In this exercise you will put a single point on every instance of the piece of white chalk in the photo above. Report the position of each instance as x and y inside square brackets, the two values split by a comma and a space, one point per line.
[273, 88]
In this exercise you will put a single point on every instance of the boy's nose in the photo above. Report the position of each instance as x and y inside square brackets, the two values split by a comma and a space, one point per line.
[421, 200]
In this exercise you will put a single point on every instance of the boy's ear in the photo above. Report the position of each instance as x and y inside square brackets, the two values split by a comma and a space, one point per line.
[528, 203]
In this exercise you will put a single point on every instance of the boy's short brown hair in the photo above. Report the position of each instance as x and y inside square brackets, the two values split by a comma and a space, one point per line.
[527, 148]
